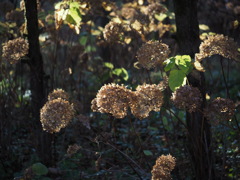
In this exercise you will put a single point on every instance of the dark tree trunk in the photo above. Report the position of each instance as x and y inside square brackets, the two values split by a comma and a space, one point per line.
[42, 139]
[199, 135]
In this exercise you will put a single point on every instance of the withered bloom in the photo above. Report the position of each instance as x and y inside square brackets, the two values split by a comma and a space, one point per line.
[13, 50]
[116, 100]
[152, 54]
[155, 8]
[55, 115]
[163, 167]
[113, 99]
[188, 98]
[219, 110]
[147, 98]
[58, 93]
[113, 32]
[139, 105]
[72, 149]
[216, 44]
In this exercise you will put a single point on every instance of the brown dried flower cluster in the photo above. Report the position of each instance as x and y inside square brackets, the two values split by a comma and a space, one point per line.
[128, 12]
[219, 110]
[113, 32]
[58, 93]
[55, 115]
[116, 100]
[72, 149]
[155, 8]
[13, 50]
[187, 97]
[152, 53]
[163, 167]
[146, 98]
[217, 44]
[113, 99]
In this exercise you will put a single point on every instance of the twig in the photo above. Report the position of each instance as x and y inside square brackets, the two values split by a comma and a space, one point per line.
[126, 156]
[224, 78]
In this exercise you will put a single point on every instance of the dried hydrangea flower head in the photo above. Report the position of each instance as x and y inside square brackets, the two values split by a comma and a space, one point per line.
[154, 95]
[217, 44]
[163, 167]
[113, 32]
[139, 105]
[188, 98]
[219, 110]
[113, 99]
[94, 106]
[128, 12]
[58, 93]
[55, 115]
[72, 149]
[13, 50]
[147, 98]
[155, 8]
[152, 54]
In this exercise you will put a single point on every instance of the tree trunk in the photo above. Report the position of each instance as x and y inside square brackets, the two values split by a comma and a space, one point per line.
[199, 134]
[42, 139]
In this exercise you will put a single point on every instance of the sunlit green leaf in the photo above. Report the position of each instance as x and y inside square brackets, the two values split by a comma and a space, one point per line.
[204, 27]
[75, 15]
[177, 78]
[108, 65]
[169, 64]
[121, 72]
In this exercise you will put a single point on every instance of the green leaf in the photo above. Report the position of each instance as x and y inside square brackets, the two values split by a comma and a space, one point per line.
[204, 27]
[169, 64]
[177, 78]
[108, 65]
[125, 74]
[75, 5]
[39, 169]
[75, 16]
[147, 152]
[117, 71]
[184, 63]
[83, 40]
[165, 121]
[90, 48]
[121, 72]
[167, 126]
